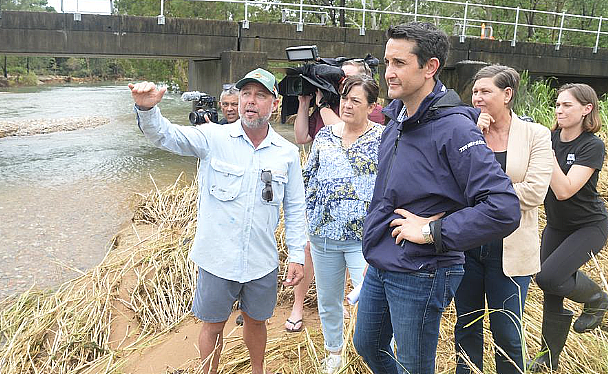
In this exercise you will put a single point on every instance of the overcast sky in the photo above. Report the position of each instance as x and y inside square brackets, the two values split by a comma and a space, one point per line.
[84, 6]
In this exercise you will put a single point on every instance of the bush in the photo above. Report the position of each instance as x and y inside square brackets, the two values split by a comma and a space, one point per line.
[81, 74]
[537, 100]
[73, 65]
[17, 70]
[29, 79]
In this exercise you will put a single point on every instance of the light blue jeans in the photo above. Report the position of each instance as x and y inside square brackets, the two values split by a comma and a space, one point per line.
[330, 259]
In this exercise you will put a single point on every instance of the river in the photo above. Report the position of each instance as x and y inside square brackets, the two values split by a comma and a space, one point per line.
[64, 195]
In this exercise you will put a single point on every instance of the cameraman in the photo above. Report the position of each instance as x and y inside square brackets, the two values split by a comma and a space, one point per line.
[229, 103]
[306, 127]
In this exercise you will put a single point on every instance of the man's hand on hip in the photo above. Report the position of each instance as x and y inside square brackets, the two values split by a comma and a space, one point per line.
[295, 273]
[146, 95]
[410, 226]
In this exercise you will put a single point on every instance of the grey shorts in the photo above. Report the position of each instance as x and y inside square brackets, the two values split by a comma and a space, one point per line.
[215, 296]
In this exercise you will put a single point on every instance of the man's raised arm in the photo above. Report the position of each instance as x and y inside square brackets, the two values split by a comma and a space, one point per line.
[182, 140]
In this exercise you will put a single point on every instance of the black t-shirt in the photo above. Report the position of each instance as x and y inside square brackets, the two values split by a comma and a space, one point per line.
[585, 206]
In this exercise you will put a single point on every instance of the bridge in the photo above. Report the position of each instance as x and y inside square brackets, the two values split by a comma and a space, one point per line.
[222, 51]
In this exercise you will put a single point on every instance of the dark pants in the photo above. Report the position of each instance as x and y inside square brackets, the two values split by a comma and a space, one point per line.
[484, 279]
[562, 253]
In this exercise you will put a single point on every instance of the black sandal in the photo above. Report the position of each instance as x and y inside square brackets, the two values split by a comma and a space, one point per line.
[293, 324]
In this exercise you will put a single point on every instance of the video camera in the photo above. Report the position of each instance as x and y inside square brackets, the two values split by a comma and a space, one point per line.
[296, 85]
[203, 104]
[324, 74]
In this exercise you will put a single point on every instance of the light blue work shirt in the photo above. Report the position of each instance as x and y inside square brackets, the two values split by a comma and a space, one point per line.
[235, 227]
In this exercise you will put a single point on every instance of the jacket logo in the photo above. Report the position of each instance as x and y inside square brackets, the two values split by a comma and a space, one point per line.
[570, 159]
[471, 144]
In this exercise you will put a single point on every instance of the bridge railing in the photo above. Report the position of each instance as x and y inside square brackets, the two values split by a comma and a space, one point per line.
[468, 20]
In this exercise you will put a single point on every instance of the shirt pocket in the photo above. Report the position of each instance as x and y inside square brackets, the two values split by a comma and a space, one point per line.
[225, 179]
[279, 181]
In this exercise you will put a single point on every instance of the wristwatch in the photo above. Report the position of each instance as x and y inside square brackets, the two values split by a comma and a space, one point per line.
[426, 233]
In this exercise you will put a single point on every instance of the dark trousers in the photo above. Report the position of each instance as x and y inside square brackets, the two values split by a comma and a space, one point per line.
[484, 279]
[562, 253]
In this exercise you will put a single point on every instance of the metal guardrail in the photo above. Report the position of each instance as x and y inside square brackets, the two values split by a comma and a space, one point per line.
[464, 20]
[287, 13]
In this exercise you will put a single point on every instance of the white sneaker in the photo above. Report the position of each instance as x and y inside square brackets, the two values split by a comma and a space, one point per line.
[331, 364]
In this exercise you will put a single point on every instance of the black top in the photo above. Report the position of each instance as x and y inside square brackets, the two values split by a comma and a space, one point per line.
[501, 157]
[585, 206]
[223, 121]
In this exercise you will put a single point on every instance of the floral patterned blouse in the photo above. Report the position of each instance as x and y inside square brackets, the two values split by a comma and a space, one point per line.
[340, 183]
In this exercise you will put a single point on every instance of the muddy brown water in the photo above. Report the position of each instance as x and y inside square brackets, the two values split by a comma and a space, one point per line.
[64, 195]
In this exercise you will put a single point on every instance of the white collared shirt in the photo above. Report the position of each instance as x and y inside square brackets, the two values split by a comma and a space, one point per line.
[235, 227]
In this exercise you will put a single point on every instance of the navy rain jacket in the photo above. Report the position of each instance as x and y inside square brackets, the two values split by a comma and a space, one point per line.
[437, 161]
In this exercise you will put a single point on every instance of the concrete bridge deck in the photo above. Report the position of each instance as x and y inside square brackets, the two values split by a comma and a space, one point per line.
[58, 34]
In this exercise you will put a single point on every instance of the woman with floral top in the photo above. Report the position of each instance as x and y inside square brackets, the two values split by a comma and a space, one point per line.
[339, 177]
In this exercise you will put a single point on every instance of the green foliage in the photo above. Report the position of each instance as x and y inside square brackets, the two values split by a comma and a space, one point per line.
[17, 70]
[29, 79]
[28, 5]
[449, 16]
[172, 72]
[181, 8]
[536, 99]
[73, 64]
[603, 107]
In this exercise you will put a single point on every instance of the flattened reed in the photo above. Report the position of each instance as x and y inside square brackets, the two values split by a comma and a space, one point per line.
[68, 330]
[61, 331]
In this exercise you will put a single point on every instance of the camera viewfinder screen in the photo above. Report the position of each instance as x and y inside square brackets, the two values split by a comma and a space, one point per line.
[300, 55]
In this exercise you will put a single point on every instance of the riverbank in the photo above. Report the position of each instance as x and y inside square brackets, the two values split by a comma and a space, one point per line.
[32, 79]
[45, 126]
[130, 314]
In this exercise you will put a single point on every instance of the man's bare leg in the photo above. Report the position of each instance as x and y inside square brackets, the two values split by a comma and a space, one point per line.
[210, 344]
[254, 335]
[299, 293]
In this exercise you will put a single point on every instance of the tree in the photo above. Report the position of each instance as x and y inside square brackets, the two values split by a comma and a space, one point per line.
[29, 5]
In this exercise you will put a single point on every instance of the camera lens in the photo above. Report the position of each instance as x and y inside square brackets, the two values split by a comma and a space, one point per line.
[296, 87]
[196, 118]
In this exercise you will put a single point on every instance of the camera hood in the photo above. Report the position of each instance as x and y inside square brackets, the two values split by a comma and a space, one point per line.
[325, 77]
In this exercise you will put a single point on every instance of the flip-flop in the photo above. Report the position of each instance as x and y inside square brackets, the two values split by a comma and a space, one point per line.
[293, 324]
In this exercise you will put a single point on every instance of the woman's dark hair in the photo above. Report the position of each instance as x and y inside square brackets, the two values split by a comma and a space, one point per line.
[430, 42]
[366, 82]
[584, 94]
[503, 77]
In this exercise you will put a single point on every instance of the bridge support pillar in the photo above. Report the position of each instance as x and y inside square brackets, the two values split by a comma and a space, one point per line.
[461, 77]
[209, 75]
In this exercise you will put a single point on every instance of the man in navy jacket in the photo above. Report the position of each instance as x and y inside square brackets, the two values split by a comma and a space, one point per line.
[439, 191]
